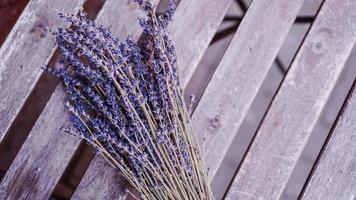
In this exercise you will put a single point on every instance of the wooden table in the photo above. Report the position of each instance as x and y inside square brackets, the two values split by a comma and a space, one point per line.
[274, 150]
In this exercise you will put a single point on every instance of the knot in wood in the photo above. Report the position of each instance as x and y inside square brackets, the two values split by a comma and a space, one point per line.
[216, 121]
[318, 47]
[320, 41]
[38, 32]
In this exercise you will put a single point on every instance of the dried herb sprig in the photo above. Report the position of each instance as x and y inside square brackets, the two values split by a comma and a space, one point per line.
[127, 102]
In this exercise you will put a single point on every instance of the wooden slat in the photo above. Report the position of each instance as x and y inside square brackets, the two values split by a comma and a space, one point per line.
[335, 174]
[103, 183]
[36, 170]
[240, 74]
[28, 47]
[193, 27]
[237, 58]
[47, 151]
[297, 106]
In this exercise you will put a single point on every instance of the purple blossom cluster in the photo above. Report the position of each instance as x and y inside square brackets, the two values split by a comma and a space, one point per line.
[125, 99]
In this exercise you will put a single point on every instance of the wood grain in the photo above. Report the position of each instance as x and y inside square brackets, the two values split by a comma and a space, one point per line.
[28, 47]
[103, 180]
[296, 108]
[239, 76]
[191, 39]
[193, 27]
[36, 169]
[335, 174]
[47, 151]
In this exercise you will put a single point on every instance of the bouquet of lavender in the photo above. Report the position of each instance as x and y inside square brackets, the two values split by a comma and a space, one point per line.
[125, 100]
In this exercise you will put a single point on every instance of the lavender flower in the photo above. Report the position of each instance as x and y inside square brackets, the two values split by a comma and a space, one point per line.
[127, 102]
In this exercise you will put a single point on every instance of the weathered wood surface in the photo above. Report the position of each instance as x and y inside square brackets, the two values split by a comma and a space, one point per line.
[296, 108]
[191, 38]
[108, 183]
[193, 27]
[28, 47]
[240, 74]
[47, 151]
[335, 174]
[36, 169]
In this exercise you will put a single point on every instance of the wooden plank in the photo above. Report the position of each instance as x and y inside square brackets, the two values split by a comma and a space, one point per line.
[296, 108]
[335, 174]
[111, 184]
[28, 47]
[239, 76]
[36, 170]
[259, 14]
[191, 39]
[193, 27]
[47, 151]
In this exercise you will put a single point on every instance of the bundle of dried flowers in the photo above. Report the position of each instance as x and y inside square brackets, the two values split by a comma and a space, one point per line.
[125, 100]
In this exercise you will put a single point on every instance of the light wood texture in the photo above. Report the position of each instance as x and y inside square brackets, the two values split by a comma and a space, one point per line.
[47, 151]
[335, 174]
[296, 108]
[240, 74]
[193, 27]
[36, 169]
[103, 182]
[28, 47]
[191, 39]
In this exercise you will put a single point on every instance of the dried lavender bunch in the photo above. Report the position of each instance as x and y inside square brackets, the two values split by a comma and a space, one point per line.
[127, 102]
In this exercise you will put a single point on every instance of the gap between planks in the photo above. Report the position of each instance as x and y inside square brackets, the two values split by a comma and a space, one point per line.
[335, 172]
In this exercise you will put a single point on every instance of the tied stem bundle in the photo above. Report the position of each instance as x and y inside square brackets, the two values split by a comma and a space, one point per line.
[125, 99]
